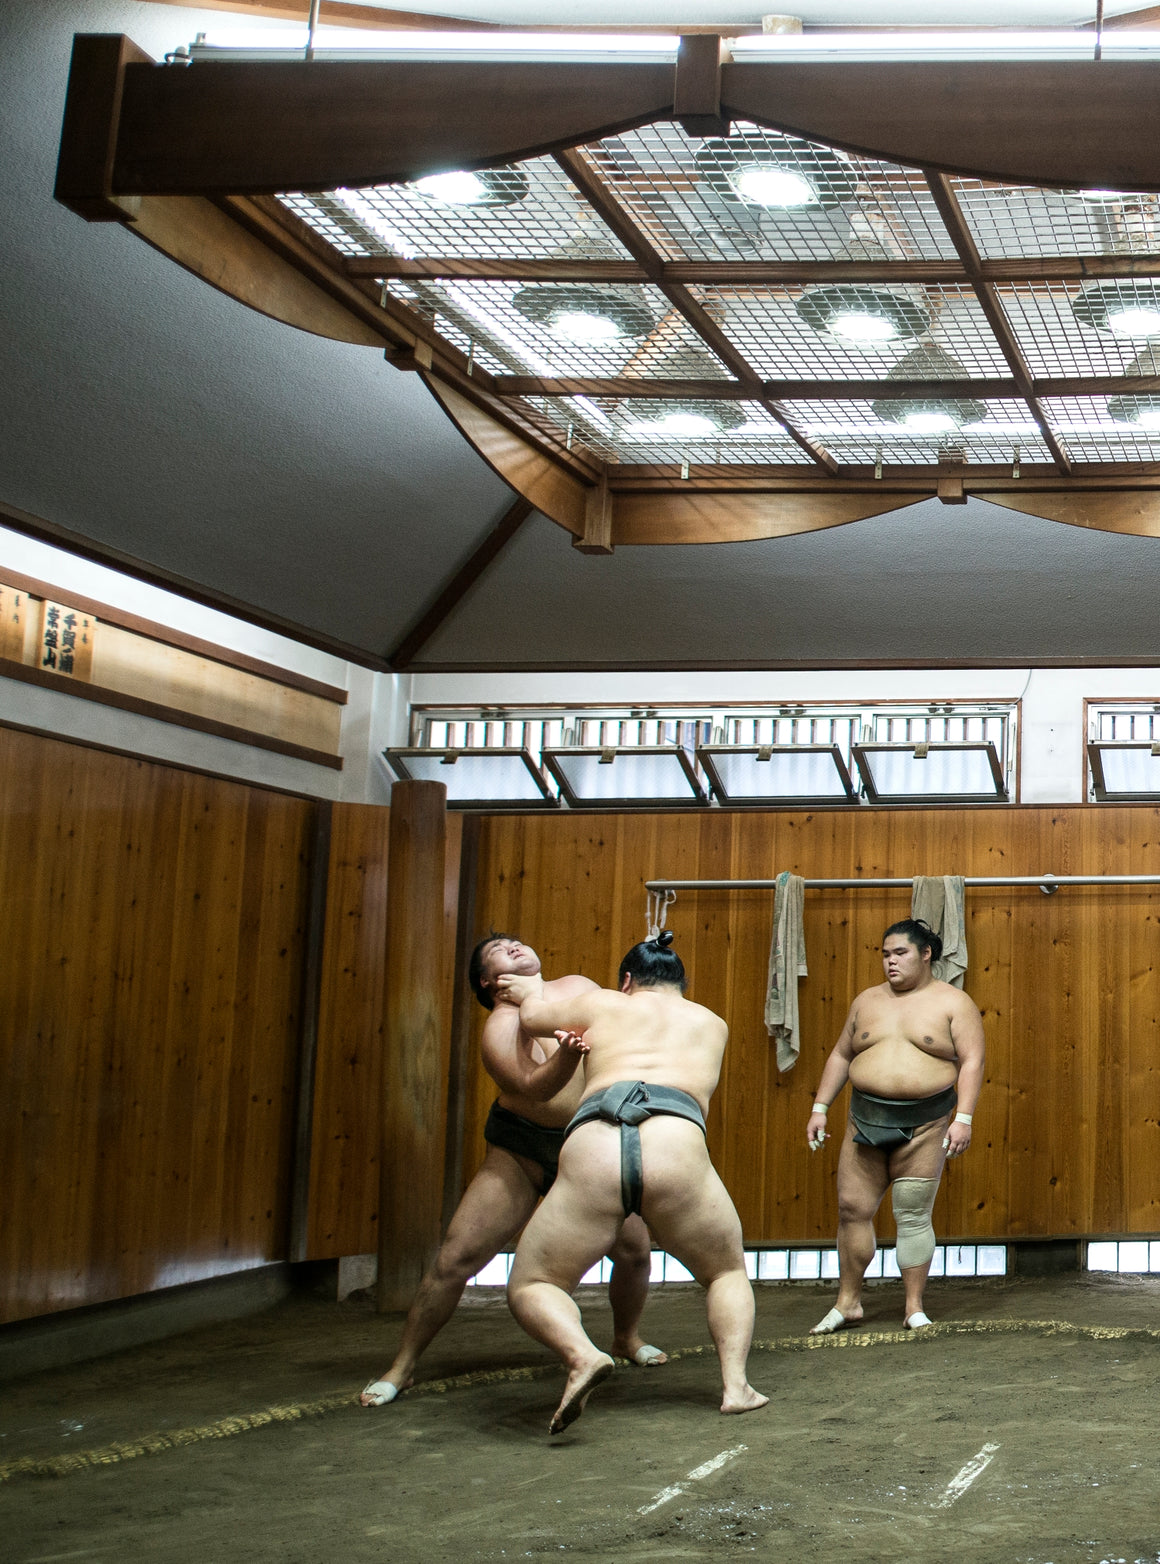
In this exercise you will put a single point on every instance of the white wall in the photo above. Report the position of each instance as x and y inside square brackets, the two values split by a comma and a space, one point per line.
[1052, 762]
[375, 715]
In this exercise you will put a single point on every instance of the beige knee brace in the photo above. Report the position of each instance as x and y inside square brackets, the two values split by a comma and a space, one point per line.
[913, 1201]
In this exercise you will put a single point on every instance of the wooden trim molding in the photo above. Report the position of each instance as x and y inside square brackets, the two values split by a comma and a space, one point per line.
[152, 631]
[182, 719]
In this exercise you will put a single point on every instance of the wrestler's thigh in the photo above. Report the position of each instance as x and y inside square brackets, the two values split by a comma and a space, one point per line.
[495, 1205]
[862, 1177]
[686, 1205]
[580, 1216]
[923, 1155]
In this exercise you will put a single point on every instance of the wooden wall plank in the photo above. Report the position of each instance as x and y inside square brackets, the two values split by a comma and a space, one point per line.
[1068, 1132]
[152, 927]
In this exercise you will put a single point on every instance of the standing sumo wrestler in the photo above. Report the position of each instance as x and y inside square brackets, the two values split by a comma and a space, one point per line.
[539, 1090]
[906, 1043]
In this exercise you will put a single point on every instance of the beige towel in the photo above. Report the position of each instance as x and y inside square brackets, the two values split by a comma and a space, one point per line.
[938, 900]
[787, 963]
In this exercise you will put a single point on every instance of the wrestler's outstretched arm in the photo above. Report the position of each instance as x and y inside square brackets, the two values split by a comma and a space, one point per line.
[834, 1077]
[508, 1049]
[543, 1014]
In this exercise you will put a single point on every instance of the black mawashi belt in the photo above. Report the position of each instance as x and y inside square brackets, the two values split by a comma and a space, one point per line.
[628, 1104]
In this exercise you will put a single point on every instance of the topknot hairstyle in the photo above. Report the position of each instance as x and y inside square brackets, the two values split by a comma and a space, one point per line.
[918, 933]
[652, 964]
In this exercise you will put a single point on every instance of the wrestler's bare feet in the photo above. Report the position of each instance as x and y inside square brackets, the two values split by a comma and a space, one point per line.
[637, 1350]
[582, 1381]
[381, 1392]
[837, 1319]
[744, 1400]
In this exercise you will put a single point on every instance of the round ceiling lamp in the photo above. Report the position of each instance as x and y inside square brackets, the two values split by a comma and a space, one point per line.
[1141, 411]
[929, 414]
[933, 415]
[583, 316]
[864, 316]
[775, 172]
[487, 187]
[685, 420]
[1128, 308]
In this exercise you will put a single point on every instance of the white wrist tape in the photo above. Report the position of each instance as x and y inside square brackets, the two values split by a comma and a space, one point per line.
[821, 1107]
[962, 1118]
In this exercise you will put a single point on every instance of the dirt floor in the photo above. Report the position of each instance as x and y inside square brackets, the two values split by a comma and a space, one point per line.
[1025, 1433]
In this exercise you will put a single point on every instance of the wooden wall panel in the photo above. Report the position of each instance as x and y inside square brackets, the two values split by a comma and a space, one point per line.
[1068, 1132]
[345, 1150]
[152, 929]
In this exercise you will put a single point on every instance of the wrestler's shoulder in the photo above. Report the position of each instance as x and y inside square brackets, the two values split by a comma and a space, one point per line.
[570, 983]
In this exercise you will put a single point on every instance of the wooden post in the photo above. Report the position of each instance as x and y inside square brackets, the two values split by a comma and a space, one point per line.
[413, 1091]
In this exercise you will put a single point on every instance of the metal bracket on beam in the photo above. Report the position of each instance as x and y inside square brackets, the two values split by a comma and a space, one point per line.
[697, 91]
[597, 535]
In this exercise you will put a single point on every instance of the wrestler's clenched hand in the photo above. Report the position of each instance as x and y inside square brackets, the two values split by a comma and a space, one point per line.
[514, 989]
[957, 1139]
[816, 1130]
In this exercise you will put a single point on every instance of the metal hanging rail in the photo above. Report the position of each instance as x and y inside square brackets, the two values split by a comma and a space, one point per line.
[1048, 883]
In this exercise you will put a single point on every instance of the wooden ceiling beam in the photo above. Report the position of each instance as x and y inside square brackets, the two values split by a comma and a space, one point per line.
[823, 390]
[752, 274]
[642, 251]
[963, 240]
[457, 586]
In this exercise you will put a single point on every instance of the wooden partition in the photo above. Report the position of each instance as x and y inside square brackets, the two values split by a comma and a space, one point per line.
[1067, 1135]
[151, 929]
[344, 1163]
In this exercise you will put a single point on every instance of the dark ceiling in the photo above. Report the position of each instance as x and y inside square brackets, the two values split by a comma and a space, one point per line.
[314, 482]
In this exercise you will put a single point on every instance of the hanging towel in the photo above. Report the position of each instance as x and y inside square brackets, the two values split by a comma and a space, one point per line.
[938, 900]
[787, 963]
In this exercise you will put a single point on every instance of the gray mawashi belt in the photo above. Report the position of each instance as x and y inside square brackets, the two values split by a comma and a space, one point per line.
[628, 1104]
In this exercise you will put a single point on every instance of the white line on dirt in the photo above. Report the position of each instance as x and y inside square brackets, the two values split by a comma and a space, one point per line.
[962, 1480]
[694, 1476]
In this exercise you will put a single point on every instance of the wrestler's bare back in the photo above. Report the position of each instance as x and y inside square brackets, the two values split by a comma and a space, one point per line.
[903, 1044]
[654, 1036]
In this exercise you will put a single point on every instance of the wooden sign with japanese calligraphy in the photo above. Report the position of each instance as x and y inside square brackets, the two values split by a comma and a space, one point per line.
[65, 643]
[13, 619]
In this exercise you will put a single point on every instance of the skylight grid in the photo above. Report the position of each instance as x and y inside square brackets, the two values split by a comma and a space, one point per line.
[593, 330]
[1055, 342]
[636, 432]
[536, 213]
[1091, 434]
[807, 202]
[1022, 221]
[767, 327]
[332, 222]
[855, 432]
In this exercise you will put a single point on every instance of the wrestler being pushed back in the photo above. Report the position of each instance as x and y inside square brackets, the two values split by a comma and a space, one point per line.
[540, 1087]
[636, 1144]
[904, 1045]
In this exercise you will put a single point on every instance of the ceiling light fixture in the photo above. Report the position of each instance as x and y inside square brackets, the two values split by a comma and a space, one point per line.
[487, 187]
[688, 419]
[779, 172]
[864, 316]
[585, 317]
[1128, 308]
[1141, 408]
[928, 415]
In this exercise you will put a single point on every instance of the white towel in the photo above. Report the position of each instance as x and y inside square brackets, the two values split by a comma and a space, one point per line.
[938, 900]
[787, 963]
